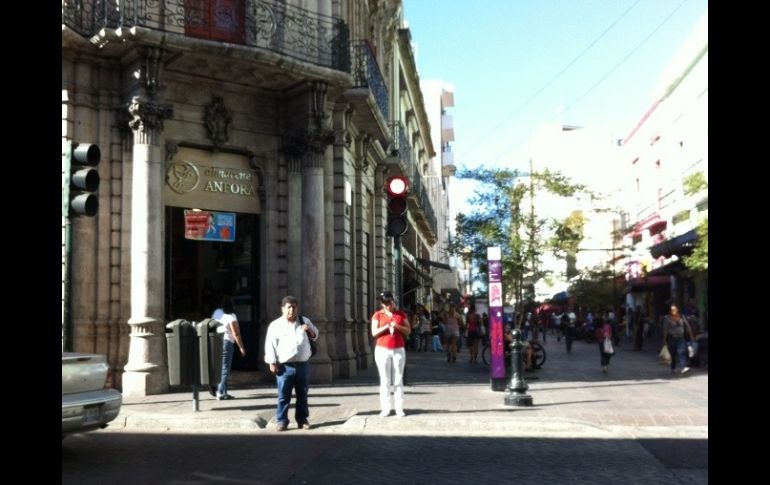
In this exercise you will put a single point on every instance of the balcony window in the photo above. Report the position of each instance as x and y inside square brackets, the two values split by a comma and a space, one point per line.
[221, 20]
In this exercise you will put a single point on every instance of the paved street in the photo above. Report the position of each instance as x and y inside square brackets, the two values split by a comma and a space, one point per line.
[637, 424]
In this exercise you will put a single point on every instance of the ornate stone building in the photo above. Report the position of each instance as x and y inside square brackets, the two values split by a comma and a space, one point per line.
[278, 121]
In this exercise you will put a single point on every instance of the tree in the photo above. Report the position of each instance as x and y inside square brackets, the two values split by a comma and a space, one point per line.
[567, 237]
[699, 259]
[498, 219]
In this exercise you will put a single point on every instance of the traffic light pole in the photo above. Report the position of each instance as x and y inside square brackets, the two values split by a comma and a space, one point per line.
[67, 246]
[399, 270]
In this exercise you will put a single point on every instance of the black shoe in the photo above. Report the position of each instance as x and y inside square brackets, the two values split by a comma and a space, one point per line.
[213, 391]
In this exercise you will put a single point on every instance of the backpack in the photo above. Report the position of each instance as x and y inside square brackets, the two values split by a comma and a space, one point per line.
[313, 345]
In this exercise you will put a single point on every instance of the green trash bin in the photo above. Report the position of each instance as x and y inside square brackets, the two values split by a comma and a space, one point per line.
[209, 352]
[180, 339]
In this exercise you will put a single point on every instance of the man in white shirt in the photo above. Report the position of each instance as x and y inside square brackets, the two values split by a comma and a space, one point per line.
[287, 350]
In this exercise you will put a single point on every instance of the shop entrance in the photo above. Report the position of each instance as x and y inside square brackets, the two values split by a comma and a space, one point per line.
[199, 273]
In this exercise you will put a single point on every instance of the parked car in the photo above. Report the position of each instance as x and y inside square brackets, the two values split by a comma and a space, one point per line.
[87, 403]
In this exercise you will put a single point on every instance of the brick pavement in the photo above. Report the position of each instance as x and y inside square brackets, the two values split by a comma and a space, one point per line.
[638, 397]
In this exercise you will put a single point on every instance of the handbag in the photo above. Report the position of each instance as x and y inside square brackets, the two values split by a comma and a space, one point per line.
[692, 349]
[665, 356]
[607, 346]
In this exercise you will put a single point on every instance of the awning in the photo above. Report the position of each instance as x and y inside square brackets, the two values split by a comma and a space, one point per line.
[561, 296]
[640, 284]
[672, 268]
[682, 244]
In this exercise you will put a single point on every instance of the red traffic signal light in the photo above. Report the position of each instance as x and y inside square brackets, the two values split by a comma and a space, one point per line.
[397, 188]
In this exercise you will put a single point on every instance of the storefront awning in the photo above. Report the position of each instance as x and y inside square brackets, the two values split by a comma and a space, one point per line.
[641, 284]
[682, 244]
[560, 297]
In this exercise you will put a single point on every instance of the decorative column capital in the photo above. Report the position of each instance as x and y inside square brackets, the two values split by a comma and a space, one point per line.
[146, 118]
[298, 143]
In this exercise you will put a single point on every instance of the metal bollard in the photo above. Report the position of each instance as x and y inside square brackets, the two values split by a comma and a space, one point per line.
[517, 388]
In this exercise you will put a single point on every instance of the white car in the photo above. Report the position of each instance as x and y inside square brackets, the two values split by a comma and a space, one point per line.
[87, 403]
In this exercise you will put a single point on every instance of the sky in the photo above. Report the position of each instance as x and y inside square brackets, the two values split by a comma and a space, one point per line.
[519, 64]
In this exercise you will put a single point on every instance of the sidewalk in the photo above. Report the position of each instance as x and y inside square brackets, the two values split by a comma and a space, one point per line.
[572, 397]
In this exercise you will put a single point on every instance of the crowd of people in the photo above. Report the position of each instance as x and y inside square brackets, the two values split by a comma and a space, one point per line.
[289, 338]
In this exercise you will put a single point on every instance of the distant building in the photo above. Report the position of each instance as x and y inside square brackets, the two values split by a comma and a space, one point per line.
[668, 146]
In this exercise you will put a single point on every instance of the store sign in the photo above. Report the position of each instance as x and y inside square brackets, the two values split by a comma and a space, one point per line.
[209, 226]
[216, 181]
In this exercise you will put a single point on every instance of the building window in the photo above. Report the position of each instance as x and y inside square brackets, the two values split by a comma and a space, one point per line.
[221, 20]
[681, 216]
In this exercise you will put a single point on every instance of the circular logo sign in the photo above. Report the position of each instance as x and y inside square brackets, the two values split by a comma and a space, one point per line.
[182, 177]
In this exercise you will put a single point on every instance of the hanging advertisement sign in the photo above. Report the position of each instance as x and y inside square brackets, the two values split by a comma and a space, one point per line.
[496, 341]
[209, 226]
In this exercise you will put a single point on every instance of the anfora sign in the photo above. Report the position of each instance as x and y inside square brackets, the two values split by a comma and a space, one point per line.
[222, 181]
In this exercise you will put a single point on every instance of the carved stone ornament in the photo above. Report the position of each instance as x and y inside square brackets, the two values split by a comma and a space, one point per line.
[297, 143]
[147, 115]
[153, 60]
[217, 120]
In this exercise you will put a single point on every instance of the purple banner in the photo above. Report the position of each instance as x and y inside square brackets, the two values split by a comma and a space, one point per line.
[497, 352]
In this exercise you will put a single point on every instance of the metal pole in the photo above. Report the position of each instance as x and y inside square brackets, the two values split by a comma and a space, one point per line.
[399, 271]
[614, 287]
[196, 369]
[517, 388]
[66, 337]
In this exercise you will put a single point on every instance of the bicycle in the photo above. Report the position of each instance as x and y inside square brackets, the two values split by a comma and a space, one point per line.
[538, 354]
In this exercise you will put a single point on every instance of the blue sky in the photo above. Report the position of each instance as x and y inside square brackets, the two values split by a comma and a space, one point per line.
[499, 53]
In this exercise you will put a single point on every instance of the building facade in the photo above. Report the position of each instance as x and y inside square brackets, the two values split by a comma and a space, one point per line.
[668, 147]
[439, 99]
[245, 144]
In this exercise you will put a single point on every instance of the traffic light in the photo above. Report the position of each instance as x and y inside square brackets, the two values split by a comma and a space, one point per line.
[83, 178]
[397, 188]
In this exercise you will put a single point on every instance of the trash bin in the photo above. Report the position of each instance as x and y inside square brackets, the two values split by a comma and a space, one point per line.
[180, 338]
[209, 352]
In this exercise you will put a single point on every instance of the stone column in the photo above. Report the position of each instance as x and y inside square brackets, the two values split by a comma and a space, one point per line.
[314, 261]
[146, 372]
[295, 229]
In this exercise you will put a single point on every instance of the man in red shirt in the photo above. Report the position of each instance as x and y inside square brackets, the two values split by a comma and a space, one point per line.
[390, 327]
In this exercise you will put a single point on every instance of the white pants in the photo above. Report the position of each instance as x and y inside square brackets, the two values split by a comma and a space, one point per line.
[390, 365]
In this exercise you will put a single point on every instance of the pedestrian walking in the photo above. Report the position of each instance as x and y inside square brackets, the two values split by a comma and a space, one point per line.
[230, 338]
[604, 336]
[287, 350]
[674, 328]
[452, 323]
[390, 327]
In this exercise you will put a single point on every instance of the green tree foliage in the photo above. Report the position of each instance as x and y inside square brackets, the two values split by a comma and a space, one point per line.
[594, 289]
[502, 217]
[699, 259]
[694, 183]
[567, 237]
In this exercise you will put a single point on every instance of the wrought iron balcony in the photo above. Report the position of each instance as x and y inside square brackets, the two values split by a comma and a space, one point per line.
[265, 24]
[423, 200]
[367, 74]
[402, 147]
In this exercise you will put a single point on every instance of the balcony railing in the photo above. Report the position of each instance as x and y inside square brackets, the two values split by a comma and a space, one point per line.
[367, 74]
[266, 24]
[423, 198]
[402, 147]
